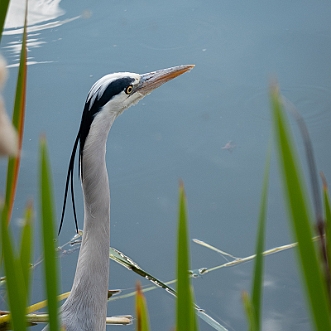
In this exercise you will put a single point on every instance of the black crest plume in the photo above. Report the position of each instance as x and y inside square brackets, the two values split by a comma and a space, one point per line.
[96, 99]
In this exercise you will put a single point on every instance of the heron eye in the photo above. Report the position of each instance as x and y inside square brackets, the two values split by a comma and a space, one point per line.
[129, 89]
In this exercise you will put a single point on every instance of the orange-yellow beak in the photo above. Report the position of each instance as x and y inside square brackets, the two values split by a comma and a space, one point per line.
[152, 80]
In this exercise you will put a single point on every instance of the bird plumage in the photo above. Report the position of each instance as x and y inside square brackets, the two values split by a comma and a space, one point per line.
[86, 307]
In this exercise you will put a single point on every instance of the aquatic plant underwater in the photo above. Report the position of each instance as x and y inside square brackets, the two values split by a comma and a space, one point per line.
[314, 250]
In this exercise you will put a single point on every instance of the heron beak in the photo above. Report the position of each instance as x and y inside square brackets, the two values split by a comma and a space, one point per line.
[152, 80]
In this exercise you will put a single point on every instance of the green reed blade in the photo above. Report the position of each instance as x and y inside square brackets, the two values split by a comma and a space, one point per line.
[257, 285]
[18, 122]
[4, 4]
[14, 279]
[142, 323]
[26, 248]
[48, 235]
[300, 218]
[185, 313]
[194, 321]
[249, 310]
[327, 215]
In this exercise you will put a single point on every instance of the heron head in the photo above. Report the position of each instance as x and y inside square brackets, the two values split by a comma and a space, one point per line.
[114, 93]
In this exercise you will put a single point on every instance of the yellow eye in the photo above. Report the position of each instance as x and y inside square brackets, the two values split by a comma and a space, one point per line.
[129, 89]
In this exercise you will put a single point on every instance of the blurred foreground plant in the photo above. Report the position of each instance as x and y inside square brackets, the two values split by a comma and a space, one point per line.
[253, 305]
[185, 310]
[313, 260]
[16, 265]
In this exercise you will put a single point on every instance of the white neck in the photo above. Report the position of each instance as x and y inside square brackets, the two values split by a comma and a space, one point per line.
[86, 307]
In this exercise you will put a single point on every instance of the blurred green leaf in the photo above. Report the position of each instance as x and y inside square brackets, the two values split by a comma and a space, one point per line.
[257, 286]
[327, 213]
[249, 310]
[142, 323]
[194, 321]
[3, 13]
[18, 122]
[26, 248]
[185, 314]
[300, 218]
[14, 282]
[48, 235]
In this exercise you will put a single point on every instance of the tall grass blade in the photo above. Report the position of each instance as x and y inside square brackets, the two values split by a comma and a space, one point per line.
[310, 158]
[258, 267]
[15, 283]
[26, 248]
[48, 234]
[141, 310]
[193, 312]
[4, 4]
[18, 122]
[327, 215]
[185, 314]
[250, 311]
[315, 190]
[300, 218]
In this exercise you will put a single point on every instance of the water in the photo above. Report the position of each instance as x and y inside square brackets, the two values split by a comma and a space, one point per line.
[178, 133]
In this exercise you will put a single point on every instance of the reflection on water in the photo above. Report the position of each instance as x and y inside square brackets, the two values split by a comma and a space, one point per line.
[39, 11]
[313, 102]
[41, 15]
[38, 27]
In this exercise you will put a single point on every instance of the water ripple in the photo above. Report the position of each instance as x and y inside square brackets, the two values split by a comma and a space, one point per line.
[42, 15]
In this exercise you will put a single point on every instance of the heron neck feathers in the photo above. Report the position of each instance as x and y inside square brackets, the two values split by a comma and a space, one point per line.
[87, 303]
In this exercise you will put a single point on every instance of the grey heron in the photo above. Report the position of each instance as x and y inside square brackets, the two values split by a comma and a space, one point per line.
[86, 307]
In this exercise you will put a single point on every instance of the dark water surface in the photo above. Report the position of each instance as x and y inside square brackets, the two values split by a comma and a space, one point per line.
[180, 131]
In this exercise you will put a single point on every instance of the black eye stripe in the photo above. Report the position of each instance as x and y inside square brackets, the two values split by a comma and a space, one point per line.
[94, 104]
[114, 88]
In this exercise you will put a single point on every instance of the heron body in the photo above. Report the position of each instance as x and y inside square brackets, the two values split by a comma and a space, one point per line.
[86, 307]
